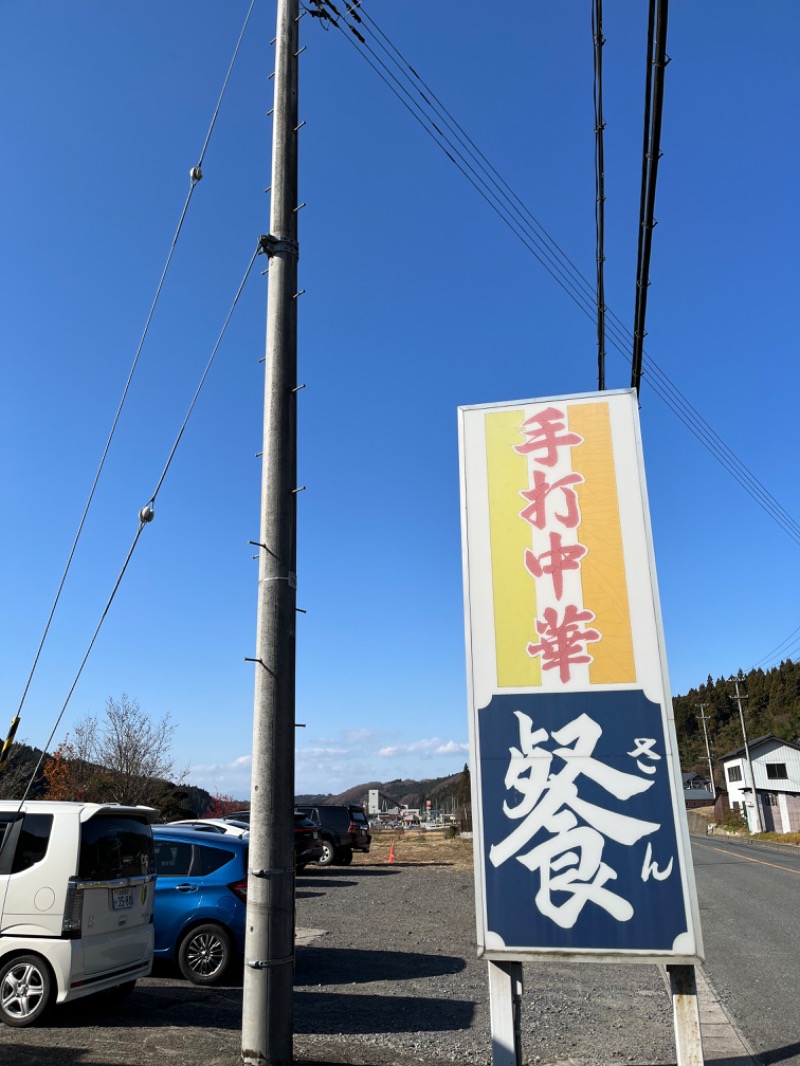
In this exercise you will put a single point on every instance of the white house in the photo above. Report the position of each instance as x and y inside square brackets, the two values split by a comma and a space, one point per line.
[776, 769]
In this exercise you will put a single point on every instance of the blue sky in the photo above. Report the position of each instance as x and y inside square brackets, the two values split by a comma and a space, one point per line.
[418, 300]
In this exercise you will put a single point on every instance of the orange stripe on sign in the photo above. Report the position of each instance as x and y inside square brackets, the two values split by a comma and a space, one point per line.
[605, 589]
[513, 589]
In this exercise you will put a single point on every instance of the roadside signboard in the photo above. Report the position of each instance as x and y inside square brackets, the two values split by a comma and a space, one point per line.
[581, 843]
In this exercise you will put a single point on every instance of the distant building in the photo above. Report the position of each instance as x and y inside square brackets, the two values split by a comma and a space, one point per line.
[776, 769]
[693, 780]
[697, 797]
[696, 791]
[378, 804]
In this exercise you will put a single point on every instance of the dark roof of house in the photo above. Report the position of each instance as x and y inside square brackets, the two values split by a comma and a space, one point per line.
[698, 794]
[758, 743]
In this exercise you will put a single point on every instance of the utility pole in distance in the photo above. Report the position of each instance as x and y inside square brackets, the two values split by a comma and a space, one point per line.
[757, 809]
[269, 938]
[704, 718]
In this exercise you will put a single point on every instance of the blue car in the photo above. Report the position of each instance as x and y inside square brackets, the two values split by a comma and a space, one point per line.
[200, 906]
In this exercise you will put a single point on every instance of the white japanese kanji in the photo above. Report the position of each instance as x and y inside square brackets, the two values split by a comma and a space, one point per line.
[569, 859]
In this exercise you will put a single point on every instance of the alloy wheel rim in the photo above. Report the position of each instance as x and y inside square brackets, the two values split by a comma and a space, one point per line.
[22, 991]
[205, 954]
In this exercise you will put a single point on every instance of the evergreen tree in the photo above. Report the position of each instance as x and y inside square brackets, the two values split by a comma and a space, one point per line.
[772, 706]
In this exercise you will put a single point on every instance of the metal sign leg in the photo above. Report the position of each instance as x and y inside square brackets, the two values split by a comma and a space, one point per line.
[505, 1004]
[686, 1012]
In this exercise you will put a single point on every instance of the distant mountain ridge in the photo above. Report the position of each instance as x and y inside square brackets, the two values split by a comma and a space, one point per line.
[443, 792]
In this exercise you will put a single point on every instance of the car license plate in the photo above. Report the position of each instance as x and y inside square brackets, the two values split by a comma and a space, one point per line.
[121, 899]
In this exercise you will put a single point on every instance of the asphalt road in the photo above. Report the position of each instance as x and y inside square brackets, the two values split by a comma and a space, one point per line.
[750, 912]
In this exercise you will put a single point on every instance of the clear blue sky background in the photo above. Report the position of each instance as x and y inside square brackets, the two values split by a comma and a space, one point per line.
[418, 300]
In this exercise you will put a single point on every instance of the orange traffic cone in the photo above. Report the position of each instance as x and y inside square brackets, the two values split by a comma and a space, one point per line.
[391, 853]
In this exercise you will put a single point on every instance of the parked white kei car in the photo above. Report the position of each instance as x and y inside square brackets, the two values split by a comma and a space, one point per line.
[77, 887]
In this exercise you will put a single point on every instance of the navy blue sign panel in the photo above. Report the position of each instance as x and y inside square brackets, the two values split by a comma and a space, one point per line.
[580, 847]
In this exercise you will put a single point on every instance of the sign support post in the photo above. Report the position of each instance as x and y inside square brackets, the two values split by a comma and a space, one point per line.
[686, 1014]
[505, 1007]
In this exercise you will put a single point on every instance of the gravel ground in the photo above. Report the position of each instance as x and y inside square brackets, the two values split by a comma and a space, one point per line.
[407, 987]
[393, 981]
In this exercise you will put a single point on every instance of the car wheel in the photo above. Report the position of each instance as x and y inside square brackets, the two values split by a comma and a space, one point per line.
[344, 856]
[25, 990]
[328, 854]
[205, 954]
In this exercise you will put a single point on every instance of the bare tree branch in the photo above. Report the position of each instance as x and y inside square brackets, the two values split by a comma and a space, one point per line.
[125, 757]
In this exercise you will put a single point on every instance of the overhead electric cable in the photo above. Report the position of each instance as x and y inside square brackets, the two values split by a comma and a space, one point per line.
[782, 647]
[648, 99]
[665, 388]
[142, 523]
[651, 153]
[599, 185]
[195, 175]
[451, 150]
[146, 515]
[549, 245]
[502, 199]
[204, 375]
[225, 85]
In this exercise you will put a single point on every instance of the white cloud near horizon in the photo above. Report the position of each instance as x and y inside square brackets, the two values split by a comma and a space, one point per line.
[425, 748]
[334, 764]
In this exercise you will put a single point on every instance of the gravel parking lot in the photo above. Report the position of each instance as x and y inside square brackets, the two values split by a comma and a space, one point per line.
[393, 980]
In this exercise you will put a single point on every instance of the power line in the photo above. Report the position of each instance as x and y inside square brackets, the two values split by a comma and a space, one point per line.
[203, 377]
[409, 87]
[195, 176]
[785, 648]
[146, 515]
[648, 103]
[599, 185]
[651, 153]
[109, 601]
[225, 85]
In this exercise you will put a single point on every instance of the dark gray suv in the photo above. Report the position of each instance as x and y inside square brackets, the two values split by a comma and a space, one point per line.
[344, 829]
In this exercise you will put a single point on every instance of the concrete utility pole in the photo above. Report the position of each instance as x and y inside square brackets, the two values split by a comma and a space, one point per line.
[269, 939]
[704, 718]
[739, 699]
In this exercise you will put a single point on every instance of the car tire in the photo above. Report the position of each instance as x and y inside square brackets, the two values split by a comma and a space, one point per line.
[328, 853]
[344, 856]
[25, 990]
[205, 954]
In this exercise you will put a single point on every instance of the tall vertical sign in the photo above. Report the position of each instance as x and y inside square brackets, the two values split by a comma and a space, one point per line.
[581, 844]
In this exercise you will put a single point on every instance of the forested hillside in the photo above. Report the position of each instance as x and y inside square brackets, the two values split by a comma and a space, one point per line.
[445, 793]
[21, 767]
[772, 706]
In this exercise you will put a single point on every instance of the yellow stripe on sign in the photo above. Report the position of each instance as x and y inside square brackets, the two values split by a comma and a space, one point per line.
[605, 589]
[513, 589]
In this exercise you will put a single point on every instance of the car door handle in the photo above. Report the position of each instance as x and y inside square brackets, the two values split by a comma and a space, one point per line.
[186, 888]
